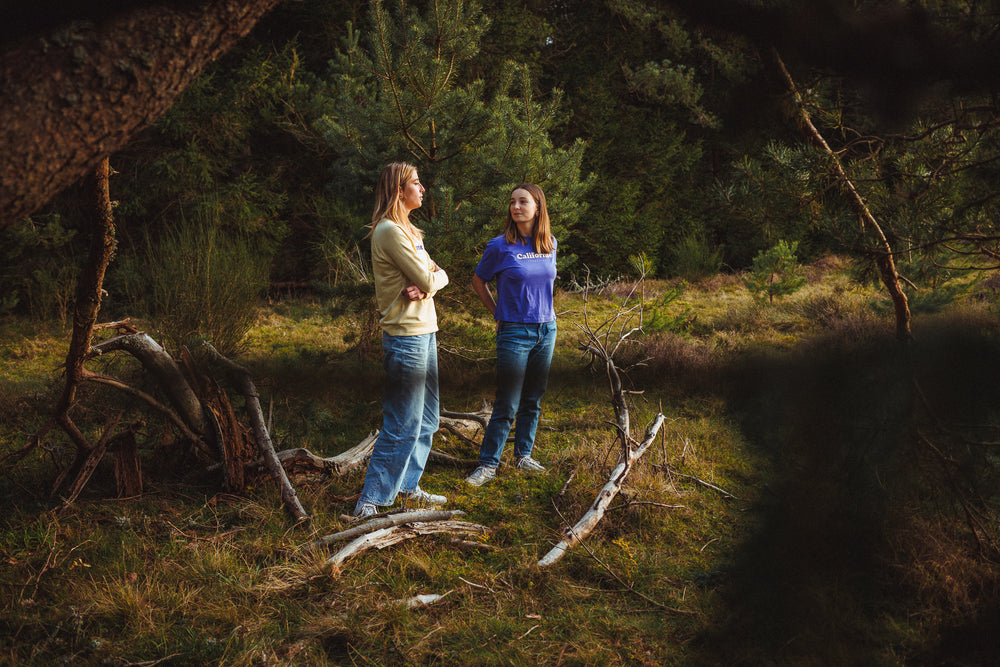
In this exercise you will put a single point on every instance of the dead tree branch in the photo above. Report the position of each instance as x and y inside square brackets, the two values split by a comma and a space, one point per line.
[384, 522]
[387, 537]
[301, 461]
[593, 516]
[244, 382]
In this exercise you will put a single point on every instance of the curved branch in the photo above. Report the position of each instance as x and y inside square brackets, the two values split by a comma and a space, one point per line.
[150, 400]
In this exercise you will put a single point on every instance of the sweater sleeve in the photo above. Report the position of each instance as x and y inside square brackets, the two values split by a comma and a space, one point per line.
[415, 264]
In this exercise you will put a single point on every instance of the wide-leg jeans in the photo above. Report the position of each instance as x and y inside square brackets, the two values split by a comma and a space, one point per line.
[524, 355]
[410, 403]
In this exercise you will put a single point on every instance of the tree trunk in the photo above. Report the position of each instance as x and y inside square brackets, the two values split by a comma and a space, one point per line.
[77, 94]
[89, 288]
[884, 256]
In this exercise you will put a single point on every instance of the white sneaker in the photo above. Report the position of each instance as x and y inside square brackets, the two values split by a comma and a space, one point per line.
[529, 464]
[481, 475]
[365, 510]
[420, 496]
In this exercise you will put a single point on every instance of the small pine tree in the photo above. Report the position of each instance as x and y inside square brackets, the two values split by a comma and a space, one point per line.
[405, 93]
[775, 272]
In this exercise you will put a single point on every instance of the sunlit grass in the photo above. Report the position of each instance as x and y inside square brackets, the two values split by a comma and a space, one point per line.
[787, 428]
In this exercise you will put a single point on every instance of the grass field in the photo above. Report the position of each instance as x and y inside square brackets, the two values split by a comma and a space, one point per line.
[819, 494]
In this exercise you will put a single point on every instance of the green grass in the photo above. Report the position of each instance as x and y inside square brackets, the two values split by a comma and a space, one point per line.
[859, 526]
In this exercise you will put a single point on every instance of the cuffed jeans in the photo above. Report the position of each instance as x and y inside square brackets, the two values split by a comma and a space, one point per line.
[524, 355]
[409, 417]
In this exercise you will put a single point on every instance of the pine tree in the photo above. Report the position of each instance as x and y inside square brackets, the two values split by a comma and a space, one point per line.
[403, 91]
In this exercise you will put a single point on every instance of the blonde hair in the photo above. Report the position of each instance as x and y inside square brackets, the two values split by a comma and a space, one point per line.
[388, 206]
[544, 241]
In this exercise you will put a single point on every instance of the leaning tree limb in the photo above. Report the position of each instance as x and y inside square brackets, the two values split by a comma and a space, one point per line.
[242, 379]
[884, 255]
[89, 290]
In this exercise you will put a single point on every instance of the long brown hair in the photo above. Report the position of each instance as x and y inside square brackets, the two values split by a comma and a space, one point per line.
[544, 241]
[394, 177]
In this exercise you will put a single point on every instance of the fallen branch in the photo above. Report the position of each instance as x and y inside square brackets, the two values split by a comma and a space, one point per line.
[592, 517]
[698, 480]
[89, 463]
[418, 600]
[301, 461]
[603, 350]
[449, 460]
[386, 537]
[242, 379]
[472, 546]
[481, 417]
[633, 503]
[384, 522]
[455, 431]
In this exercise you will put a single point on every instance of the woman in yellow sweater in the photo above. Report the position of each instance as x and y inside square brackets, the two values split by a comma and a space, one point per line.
[406, 279]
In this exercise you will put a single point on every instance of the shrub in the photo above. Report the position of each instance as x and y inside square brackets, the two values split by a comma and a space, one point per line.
[775, 272]
[197, 282]
[694, 259]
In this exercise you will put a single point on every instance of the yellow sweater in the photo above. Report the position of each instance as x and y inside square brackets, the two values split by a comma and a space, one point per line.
[399, 261]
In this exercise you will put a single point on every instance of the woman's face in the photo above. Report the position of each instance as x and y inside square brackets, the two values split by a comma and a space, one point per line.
[523, 208]
[411, 195]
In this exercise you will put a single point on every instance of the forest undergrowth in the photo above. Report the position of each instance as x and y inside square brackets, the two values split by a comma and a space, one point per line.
[818, 494]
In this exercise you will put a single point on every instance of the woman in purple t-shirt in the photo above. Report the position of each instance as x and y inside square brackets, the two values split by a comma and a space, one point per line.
[522, 260]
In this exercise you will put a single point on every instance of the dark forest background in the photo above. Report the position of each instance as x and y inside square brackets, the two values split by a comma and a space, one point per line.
[668, 137]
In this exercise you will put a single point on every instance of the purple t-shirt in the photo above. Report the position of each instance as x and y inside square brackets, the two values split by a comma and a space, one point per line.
[524, 280]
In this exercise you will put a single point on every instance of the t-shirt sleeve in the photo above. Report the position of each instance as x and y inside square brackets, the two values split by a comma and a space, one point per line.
[489, 263]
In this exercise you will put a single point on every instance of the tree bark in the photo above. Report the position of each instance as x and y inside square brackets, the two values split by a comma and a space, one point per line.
[89, 288]
[78, 93]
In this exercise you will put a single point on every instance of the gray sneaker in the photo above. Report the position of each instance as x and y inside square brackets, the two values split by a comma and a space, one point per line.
[529, 464]
[365, 510]
[421, 497]
[481, 475]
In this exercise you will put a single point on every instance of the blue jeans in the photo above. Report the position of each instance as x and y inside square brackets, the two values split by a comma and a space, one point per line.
[524, 354]
[409, 417]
